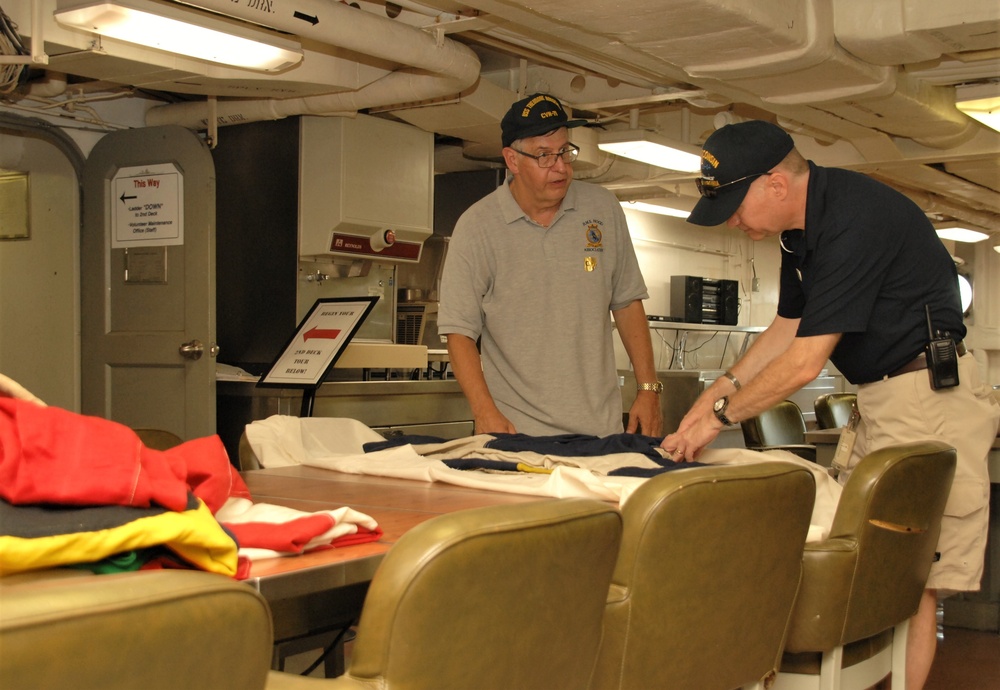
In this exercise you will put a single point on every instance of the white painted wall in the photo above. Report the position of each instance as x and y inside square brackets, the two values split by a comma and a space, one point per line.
[39, 277]
[982, 264]
[669, 246]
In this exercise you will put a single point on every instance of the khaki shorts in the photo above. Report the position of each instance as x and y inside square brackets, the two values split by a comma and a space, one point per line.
[905, 408]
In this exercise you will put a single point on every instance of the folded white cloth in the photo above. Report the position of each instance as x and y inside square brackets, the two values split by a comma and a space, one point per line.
[264, 530]
[338, 444]
[282, 440]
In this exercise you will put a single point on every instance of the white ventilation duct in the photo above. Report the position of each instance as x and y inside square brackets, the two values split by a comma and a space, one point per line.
[935, 204]
[447, 67]
[51, 85]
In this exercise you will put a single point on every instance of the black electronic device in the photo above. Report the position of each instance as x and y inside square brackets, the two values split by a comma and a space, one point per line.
[942, 357]
[729, 302]
[704, 300]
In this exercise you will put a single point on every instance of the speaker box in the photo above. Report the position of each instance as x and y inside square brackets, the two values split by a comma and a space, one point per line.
[729, 302]
[704, 300]
[685, 298]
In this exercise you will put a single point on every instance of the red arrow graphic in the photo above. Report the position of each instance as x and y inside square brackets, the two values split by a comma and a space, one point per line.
[325, 333]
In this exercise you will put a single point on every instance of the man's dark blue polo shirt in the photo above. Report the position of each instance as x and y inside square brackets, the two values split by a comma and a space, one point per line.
[865, 266]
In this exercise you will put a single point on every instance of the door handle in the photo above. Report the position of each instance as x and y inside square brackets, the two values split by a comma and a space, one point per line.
[192, 349]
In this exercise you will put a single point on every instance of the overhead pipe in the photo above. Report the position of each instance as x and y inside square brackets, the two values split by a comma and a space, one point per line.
[51, 85]
[50, 133]
[447, 67]
[931, 203]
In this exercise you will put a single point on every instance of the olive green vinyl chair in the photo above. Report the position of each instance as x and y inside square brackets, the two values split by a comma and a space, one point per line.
[247, 458]
[781, 427]
[863, 583]
[708, 572]
[833, 410]
[152, 629]
[494, 598]
[158, 439]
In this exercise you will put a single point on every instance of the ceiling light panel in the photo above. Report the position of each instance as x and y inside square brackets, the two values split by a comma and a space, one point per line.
[190, 33]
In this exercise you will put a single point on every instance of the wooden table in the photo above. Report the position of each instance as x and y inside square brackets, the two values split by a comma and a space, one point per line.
[316, 593]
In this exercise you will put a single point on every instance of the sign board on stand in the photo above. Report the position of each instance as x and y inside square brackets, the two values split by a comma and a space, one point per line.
[316, 345]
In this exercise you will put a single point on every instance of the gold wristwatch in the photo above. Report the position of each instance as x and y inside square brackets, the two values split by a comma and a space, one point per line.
[656, 387]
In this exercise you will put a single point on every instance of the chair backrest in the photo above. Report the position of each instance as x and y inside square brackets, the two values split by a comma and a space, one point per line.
[501, 597]
[869, 574]
[707, 574]
[247, 458]
[160, 629]
[780, 425]
[833, 410]
[158, 439]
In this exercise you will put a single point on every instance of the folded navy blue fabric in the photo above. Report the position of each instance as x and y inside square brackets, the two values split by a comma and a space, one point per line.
[397, 441]
[560, 445]
[481, 464]
[647, 472]
[580, 445]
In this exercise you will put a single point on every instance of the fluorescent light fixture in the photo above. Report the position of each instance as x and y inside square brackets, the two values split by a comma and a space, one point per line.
[175, 30]
[959, 234]
[655, 208]
[650, 148]
[981, 102]
[996, 248]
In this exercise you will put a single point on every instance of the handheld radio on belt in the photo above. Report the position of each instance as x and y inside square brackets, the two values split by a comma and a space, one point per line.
[942, 358]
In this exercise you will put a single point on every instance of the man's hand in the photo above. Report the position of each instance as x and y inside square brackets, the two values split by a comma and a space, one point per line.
[696, 430]
[494, 423]
[644, 416]
[9, 388]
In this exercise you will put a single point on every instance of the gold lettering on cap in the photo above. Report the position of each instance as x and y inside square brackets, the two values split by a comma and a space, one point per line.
[707, 155]
[535, 101]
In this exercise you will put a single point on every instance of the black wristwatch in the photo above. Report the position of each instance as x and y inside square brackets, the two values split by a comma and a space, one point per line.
[720, 410]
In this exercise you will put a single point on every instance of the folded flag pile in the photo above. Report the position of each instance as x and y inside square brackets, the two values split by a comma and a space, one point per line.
[76, 489]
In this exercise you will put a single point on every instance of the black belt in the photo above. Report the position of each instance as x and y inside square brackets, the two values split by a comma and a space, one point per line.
[920, 363]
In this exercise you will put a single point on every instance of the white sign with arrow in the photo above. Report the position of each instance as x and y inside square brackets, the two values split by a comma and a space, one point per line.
[318, 341]
[148, 206]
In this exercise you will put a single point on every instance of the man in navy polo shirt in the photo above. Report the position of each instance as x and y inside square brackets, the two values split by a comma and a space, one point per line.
[861, 269]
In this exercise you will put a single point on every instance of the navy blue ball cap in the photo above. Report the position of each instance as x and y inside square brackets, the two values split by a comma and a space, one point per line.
[731, 159]
[534, 116]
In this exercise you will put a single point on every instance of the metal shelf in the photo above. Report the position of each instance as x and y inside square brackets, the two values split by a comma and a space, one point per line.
[680, 326]
[686, 328]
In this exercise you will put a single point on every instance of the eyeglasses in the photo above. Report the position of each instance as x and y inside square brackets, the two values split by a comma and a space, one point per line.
[710, 191]
[547, 160]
